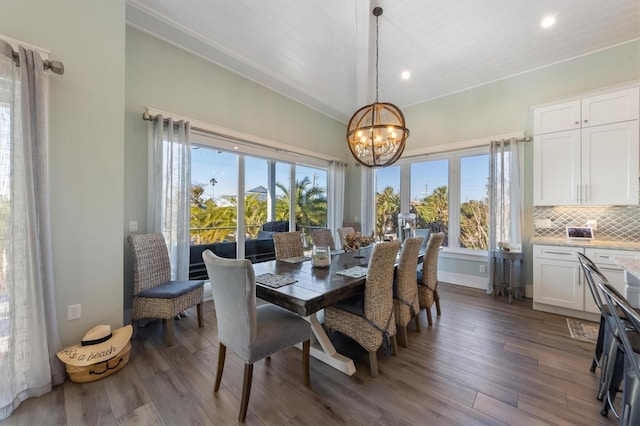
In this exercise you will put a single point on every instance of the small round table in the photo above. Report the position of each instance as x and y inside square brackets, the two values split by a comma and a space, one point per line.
[513, 288]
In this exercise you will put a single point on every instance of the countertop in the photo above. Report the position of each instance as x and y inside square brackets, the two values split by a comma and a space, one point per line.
[614, 245]
[630, 265]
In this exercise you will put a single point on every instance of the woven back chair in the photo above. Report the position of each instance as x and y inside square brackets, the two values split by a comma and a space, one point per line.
[368, 317]
[155, 296]
[405, 294]
[253, 333]
[288, 245]
[428, 278]
[323, 237]
[342, 234]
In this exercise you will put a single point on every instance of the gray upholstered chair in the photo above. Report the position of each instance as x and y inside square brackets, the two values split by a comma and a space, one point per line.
[368, 317]
[428, 278]
[425, 234]
[253, 333]
[405, 288]
[288, 245]
[342, 234]
[323, 237]
[154, 294]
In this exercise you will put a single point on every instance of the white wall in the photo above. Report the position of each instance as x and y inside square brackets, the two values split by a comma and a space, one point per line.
[86, 150]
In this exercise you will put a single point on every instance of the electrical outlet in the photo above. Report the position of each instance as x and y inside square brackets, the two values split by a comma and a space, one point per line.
[593, 224]
[74, 312]
[133, 226]
[542, 223]
[483, 267]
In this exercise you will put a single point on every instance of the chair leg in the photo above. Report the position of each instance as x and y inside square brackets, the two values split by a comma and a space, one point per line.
[429, 319]
[402, 331]
[170, 327]
[222, 351]
[246, 391]
[373, 363]
[200, 317]
[437, 298]
[394, 345]
[417, 320]
[306, 346]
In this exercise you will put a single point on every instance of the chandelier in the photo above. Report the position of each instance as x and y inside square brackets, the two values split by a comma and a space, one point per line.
[376, 134]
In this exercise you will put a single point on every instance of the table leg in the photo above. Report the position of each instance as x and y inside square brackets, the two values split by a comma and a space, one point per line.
[511, 290]
[323, 350]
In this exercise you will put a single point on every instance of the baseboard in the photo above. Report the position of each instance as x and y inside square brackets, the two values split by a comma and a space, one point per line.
[463, 280]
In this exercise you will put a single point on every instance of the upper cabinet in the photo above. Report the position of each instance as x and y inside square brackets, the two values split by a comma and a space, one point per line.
[614, 107]
[587, 152]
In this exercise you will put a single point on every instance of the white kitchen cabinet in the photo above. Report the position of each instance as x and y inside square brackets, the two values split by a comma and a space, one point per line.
[613, 107]
[558, 279]
[590, 164]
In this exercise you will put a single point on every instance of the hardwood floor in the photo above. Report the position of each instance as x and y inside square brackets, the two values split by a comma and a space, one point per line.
[483, 362]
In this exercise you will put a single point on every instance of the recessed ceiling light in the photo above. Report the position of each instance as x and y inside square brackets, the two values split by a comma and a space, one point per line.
[548, 21]
[406, 75]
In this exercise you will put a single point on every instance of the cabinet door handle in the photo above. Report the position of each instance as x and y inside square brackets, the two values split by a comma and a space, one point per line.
[585, 120]
[558, 252]
[577, 122]
[578, 193]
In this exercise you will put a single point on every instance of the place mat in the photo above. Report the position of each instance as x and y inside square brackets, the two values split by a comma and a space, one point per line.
[354, 272]
[273, 280]
[298, 259]
[586, 331]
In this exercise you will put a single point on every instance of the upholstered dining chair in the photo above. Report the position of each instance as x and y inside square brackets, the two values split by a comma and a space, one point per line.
[342, 234]
[323, 237]
[288, 244]
[253, 333]
[155, 296]
[405, 291]
[427, 279]
[368, 317]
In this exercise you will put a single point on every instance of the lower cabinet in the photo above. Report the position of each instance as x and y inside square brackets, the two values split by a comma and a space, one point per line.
[558, 278]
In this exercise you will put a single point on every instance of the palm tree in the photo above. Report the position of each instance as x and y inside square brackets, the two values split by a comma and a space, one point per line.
[310, 203]
[387, 209]
[213, 182]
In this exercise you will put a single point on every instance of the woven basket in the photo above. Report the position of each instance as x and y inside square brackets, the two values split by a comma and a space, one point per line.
[93, 372]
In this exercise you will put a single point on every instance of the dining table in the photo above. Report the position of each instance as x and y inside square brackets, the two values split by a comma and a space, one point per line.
[311, 289]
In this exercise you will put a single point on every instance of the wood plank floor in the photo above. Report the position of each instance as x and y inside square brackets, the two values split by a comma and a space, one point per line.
[483, 362]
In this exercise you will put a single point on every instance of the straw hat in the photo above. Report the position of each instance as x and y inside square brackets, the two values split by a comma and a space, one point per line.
[97, 345]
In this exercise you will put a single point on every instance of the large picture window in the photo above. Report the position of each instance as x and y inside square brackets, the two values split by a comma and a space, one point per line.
[448, 193]
[284, 195]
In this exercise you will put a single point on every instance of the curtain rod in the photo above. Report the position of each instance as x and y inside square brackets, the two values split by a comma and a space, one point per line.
[149, 117]
[56, 67]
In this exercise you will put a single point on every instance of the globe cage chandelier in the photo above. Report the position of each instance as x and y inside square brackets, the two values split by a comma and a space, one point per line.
[376, 134]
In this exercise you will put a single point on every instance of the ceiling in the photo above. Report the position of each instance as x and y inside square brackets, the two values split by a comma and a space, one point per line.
[322, 52]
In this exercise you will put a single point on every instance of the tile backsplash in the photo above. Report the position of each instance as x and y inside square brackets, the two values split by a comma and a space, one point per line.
[615, 223]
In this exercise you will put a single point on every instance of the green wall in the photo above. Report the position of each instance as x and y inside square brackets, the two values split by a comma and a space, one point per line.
[98, 139]
[161, 76]
[504, 107]
[86, 150]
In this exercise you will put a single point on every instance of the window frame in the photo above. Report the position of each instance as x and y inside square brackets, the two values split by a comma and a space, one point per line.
[454, 190]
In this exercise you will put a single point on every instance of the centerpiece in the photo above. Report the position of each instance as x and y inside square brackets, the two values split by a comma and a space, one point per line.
[354, 241]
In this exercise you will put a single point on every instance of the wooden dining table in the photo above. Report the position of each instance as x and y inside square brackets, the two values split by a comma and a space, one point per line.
[315, 289]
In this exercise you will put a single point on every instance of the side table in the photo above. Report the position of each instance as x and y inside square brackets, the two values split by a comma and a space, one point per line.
[501, 257]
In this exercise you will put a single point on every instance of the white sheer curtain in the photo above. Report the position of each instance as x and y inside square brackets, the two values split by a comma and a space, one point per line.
[336, 195]
[29, 336]
[367, 200]
[505, 198]
[170, 189]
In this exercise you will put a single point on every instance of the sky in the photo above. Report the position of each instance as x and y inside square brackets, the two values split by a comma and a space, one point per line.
[207, 163]
[429, 175]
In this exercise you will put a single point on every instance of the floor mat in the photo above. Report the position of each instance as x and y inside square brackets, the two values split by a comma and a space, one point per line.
[586, 331]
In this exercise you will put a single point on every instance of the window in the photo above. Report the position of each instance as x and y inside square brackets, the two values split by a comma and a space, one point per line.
[448, 193]
[271, 190]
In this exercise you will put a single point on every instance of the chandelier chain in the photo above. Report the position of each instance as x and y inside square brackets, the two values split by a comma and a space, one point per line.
[377, 58]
